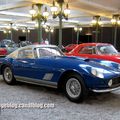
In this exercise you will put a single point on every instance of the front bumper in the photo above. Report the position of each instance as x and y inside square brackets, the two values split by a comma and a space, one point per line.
[105, 90]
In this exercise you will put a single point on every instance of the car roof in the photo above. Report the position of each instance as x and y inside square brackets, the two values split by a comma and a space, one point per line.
[79, 46]
[94, 44]
[34, 46]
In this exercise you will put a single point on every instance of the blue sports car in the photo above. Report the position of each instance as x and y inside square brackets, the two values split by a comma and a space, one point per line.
[46, 65]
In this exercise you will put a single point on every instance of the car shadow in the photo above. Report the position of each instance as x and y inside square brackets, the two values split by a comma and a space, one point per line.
[92, 98]
[56, 95]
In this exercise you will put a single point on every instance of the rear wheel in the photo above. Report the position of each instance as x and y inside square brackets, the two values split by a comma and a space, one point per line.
[74, 88]
[8, 75]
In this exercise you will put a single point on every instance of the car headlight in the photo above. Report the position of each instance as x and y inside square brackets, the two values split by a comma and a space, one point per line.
[110, 83]
[98, 72]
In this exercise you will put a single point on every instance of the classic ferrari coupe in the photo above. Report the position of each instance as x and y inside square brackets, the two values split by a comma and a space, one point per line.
[103, 51]
[46, 65]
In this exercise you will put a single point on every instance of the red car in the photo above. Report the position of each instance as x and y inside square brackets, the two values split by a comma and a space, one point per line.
[70, 47]
[3, 52]
[102, 51]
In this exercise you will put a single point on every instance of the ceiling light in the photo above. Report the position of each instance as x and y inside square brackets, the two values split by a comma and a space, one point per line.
[9, 31]
[67, 10]
[5, 31]
[96, 21]
[75, 28]
[46, 13]
[100, 22]
[115, 19]
[52, 30]
[54, 9]
[118, 22]
[80, 29]
[32, 11]
[46, 30]
[28, 31]
[23, 31]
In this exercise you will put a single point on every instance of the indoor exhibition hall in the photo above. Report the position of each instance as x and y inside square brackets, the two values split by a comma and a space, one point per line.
[60, 60]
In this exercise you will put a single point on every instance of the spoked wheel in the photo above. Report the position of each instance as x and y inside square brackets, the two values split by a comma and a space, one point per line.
[75, 89]
[8, 75]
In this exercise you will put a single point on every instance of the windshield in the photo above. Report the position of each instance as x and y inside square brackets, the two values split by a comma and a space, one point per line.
[106, 49]
[49, 51]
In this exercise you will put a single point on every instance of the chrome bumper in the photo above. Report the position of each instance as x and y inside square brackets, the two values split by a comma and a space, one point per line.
[105, 90]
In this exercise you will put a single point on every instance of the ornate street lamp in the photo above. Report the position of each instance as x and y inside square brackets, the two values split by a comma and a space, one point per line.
[26, 31]
[40, 17]
[115, 22]
[78, 29]
[49, 30]
[61, 14]
[96, 22]
[9, 30]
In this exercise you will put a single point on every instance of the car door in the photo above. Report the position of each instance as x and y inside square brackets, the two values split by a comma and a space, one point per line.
[24, 64]
[27, 66]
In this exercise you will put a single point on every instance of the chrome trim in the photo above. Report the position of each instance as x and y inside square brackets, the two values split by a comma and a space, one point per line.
[36, 81]
[106, 90]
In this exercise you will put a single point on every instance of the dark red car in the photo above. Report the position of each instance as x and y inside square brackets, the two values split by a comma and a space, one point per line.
[3, 52]
[102, 51]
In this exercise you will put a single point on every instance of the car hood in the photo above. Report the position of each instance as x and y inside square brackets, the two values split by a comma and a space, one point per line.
[71, 61]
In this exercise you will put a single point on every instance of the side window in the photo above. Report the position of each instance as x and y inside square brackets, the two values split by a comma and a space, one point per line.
[25, 53]
[88, 50]
[43, 52]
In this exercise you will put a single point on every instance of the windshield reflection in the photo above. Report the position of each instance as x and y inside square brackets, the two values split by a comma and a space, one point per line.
[49, 51]
[106, 49]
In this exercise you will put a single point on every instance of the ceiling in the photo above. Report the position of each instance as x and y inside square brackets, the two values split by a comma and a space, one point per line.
[82, 12]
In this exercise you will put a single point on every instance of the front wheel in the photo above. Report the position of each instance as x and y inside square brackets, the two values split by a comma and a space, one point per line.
[8, 75]
[75, 89]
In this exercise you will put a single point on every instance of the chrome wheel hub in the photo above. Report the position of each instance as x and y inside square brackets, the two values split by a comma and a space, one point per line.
[73, 87]
[8, 74]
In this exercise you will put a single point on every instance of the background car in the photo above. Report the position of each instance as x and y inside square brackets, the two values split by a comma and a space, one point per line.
[46, 65]
[24, 43]
[102, 51]
[3, 52]
[7, 46]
